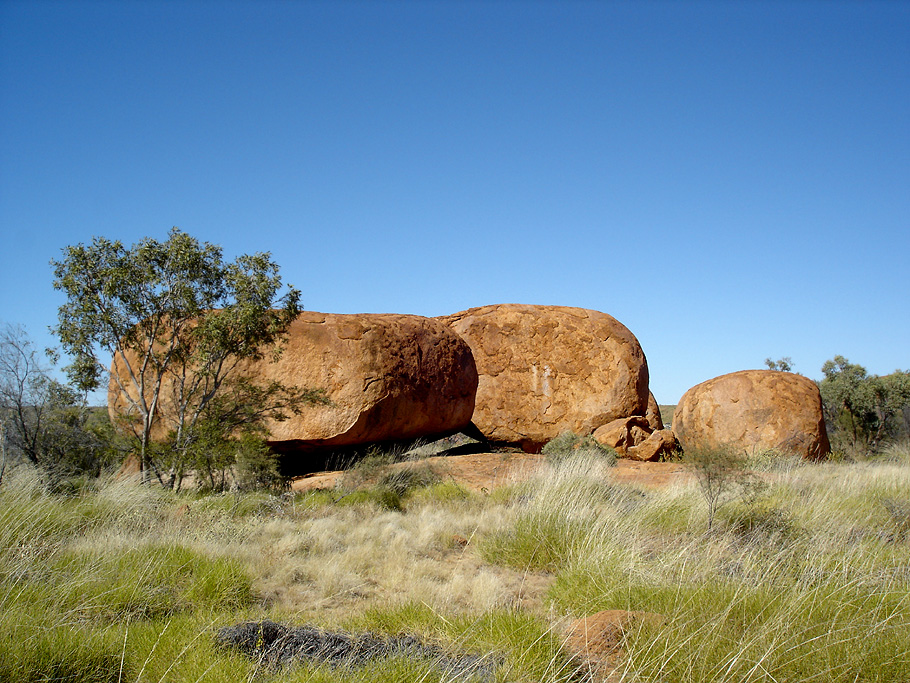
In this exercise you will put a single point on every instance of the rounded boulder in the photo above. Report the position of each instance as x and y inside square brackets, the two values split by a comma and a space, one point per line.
[386, 377]
[753, 410]
[544, 370]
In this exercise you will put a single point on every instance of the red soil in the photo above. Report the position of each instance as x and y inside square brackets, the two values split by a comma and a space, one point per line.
[486, 471]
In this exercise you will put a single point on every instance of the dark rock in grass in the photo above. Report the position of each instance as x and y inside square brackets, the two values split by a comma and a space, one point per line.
[461, 443]
[275, 644]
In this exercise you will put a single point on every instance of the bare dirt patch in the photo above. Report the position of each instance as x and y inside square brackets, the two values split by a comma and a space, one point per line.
[487, 471]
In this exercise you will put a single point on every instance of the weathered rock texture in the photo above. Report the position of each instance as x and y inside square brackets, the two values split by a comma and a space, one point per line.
[544, 370]
[633, 438]
[655, 422]
[388, 377]
[754, 410]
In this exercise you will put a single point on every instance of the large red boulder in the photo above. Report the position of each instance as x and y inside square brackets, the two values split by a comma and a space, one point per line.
[387, 377]
[754, 410]
[544, 370]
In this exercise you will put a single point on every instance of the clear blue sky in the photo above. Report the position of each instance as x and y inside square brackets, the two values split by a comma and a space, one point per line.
[730, 180]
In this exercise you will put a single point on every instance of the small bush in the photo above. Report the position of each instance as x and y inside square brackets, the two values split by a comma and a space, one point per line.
[761, 523]
[722, 477]
[258, 467]
[569, 443]
[406, 479]
[899, 512]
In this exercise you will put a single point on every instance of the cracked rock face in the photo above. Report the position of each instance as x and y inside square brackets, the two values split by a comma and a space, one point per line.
[388, 377]
[544, 370]
[754, 410]
[654, 420]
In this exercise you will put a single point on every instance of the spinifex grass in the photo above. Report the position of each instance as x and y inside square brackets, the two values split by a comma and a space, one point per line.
[808, 582]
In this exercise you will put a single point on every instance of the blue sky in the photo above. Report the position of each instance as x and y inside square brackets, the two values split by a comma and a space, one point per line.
[729, 180]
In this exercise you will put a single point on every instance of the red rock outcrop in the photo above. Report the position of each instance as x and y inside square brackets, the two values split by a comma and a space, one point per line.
[660, 444]
[623, 433]
[544, 370]
[387, 376]
[655, 422]
[633, 438]
[754, 410]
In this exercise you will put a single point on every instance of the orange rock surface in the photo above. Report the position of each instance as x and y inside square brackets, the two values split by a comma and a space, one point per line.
[653, 414]
[754, 410]
[598, 639]
[544, 370]
[387, 376]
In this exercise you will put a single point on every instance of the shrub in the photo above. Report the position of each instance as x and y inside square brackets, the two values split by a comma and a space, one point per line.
[863, 410]
[568, 443]
[722, 477]
[761, 523]
[403, 480]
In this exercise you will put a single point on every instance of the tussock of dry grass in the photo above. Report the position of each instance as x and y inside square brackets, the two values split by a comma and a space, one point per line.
[811, 581]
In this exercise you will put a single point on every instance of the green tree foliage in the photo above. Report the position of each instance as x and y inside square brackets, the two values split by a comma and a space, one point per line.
[784, 364]
[45, 422]
[722, 477]
[862, 410]
[179, 321]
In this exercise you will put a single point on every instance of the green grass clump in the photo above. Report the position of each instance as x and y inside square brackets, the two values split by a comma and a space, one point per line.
[558, 514]
[381, 496]
[151, 581]
[522, 646]
[570, 443]
[404, 480]
[375, 481]
[441, 492]
[59, 653]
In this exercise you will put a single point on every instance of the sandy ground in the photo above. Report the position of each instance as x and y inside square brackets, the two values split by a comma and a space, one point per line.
[486, 471]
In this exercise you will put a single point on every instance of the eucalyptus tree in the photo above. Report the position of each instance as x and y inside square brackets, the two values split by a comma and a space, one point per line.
[175, 322]
[25, 390]
[862, 409]
[43, 421]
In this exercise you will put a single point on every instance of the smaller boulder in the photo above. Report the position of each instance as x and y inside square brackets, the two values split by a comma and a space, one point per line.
[661, 443]
[597, 639]
[754, 410]
[634, 438]
[623, 433]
